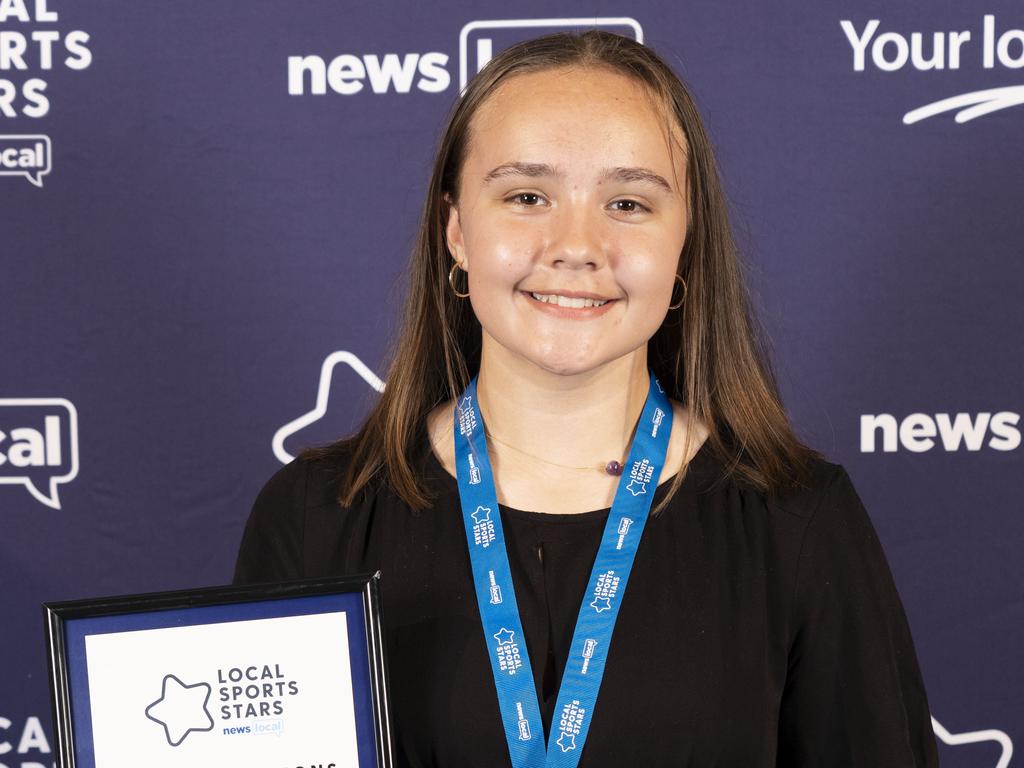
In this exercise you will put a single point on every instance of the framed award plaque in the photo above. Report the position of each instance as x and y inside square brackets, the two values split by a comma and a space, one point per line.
[268, 676]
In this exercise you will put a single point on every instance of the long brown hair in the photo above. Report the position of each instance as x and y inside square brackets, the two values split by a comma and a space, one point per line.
[707, 354]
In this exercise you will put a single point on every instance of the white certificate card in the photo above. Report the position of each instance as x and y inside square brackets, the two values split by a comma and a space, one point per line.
[261, 693]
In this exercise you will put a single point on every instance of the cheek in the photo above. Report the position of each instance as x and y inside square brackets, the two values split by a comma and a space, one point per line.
[500, 260]
[647, 276]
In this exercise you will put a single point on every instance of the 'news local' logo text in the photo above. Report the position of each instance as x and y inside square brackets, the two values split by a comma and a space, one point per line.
[348, 74]
[921, 432]
[38, 445]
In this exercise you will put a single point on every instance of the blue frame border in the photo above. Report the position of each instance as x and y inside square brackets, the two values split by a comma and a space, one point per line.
[69, 623]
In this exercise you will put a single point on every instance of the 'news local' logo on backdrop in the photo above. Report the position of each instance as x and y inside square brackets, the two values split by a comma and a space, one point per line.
[921, 432]
[38, 445]
[991, 45]
[348, 74]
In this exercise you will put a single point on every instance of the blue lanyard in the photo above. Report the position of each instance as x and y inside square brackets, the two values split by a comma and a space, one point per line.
[496, 598]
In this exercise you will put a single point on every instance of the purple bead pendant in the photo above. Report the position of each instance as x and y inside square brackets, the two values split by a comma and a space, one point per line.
[613, 468]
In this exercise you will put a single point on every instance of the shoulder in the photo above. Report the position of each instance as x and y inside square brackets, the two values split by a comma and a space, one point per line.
[310, 479]
[839, 513]
[716, 462]
[274, 543]
[823, 479]
[840, 544]
[285, 487]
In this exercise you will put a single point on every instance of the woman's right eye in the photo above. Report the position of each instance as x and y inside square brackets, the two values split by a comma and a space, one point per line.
[526, 199]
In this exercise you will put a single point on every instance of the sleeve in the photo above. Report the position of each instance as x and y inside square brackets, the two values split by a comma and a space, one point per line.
[272, 543]
[854, 695]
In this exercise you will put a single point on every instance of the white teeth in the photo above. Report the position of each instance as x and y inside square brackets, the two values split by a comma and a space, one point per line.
[565, 301]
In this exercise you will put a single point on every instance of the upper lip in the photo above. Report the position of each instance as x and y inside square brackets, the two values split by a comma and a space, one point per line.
[572, 294]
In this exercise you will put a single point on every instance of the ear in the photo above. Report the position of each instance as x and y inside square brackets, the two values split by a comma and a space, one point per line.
[453, 234]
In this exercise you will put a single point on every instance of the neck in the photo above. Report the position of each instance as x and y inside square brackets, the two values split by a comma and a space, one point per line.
[580, 420]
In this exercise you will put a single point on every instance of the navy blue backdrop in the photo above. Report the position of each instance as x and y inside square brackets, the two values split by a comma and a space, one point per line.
[205, 210]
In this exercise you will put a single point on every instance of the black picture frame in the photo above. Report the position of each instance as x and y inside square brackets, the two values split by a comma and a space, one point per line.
[67, 624]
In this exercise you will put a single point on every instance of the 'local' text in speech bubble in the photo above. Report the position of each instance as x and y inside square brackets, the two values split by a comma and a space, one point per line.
[28, 155]
[38, 445]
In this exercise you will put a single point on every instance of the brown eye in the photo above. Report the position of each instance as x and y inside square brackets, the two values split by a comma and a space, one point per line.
[526, 198]
[630, 206]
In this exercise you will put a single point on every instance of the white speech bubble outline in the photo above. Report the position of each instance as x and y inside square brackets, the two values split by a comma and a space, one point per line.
[53, 500]
[973, 737]
[323, 392]
[588, 21]
[38, 180]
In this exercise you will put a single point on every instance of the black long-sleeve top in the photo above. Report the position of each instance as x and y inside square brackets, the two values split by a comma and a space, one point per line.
[752, 633]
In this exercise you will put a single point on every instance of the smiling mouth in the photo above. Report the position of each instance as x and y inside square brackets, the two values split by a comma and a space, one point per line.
[568, 302]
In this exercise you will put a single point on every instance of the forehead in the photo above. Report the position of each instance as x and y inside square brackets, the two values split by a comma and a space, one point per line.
[572, 115]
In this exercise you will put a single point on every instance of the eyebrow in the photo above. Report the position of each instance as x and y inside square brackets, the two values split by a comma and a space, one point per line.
[537, 170]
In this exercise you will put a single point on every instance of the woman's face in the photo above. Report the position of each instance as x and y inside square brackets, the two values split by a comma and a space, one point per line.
[570, 189]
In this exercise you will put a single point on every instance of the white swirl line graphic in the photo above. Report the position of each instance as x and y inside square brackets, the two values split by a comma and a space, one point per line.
[971, 737]
[971, 105]
[323, 392]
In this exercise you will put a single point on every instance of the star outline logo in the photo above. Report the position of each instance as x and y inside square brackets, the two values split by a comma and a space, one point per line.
[484, 515]
[163, 697]
[601, 604]
[642, 486]
[505, 636]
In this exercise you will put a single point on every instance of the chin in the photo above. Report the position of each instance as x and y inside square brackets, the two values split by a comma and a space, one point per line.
[567, 366]
[558, 357]
[567, 370]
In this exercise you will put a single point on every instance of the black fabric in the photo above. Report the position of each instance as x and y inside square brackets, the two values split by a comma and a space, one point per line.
[752, 632]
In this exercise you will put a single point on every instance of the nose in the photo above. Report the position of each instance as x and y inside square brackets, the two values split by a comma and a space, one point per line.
[575, 239]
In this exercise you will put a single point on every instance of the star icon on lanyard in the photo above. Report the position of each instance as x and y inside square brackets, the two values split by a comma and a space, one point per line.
[482, 515]
[566, 741]
[466, 405]
[639, 490]
[181, 709]
[601, 604]
[505, 636]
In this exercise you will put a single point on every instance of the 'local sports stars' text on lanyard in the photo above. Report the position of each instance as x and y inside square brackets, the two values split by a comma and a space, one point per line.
[499, 613]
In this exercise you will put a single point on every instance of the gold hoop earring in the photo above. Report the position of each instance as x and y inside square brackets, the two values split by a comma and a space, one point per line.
[451, 281]
[677, 306]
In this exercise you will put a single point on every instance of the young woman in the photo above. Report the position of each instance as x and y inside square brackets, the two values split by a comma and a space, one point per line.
[588, 408]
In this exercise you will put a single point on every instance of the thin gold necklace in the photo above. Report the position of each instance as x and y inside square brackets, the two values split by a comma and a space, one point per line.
[613, 467]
